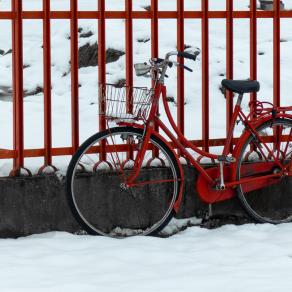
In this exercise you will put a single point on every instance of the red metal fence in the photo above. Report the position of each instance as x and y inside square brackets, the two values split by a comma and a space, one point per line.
[17, 15]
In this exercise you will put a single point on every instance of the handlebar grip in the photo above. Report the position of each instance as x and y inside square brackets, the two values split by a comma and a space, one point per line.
[187, 55]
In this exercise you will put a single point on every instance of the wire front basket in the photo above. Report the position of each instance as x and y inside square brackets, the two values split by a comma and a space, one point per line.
[124, 102]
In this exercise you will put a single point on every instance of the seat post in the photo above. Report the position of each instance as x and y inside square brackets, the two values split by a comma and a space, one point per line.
[239, 99]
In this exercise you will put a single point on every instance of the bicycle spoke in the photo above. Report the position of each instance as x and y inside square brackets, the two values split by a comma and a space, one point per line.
[260, 149]
[117, 155]
[87, 156]
[85, 163]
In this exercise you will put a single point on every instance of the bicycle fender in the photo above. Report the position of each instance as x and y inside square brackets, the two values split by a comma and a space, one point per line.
[246, 134]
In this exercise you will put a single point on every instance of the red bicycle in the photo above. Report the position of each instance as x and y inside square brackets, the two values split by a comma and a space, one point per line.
[128, 179]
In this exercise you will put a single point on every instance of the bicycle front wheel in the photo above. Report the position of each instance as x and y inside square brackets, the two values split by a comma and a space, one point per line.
[97, 189]
[269, 199]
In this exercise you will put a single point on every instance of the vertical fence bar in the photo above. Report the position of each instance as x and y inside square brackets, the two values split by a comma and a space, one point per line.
[154, 48]
[101, 55]
[180, 70]
[74, 75]
[205, 74]
[154, 28]
[17, 60]
[253, 51]
[129, 60]
[101, 69]
[276, 66]
[129, 51]
[229, 61]
[47, 84]
[276, 49]
[253, 59]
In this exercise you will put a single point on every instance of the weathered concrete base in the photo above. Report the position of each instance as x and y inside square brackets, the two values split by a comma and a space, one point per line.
[38, 204]
[34, 205]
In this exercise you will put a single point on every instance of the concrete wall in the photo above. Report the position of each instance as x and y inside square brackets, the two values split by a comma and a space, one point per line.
[38, 204]
[33, 205]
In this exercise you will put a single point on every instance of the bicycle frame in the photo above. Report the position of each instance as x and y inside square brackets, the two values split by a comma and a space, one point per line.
[208, 178]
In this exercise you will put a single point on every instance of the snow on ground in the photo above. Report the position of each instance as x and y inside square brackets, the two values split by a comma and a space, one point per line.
[228, 259]
[115, 31]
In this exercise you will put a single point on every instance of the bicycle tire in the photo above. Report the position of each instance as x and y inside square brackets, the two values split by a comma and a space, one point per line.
[100, 225]
[272, 203]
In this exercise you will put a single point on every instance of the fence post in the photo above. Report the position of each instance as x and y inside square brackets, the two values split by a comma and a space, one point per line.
[154, 28]
[74, 75]
[101, 53]
[277, 52]
[129, 61]
[253, 51]
[229, 61]
[47, 86]
[205, 74]
[154, 49]
[129, 45]
[101, 69]
[17, 63]
[180, 70]
[276, 67]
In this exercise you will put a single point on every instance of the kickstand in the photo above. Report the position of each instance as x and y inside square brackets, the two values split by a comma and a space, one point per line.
[210, 213]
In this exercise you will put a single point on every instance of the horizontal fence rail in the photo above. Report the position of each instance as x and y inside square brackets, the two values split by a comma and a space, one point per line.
[17, 15]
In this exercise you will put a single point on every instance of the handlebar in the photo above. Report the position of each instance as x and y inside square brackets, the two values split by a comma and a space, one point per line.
[160, 65]
[188, 55]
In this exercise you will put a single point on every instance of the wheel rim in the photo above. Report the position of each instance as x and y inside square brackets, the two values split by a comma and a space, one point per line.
[118, 211]
[267, 204]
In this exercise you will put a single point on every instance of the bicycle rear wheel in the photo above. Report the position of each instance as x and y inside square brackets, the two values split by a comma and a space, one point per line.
[271, 199]
[97, 192]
